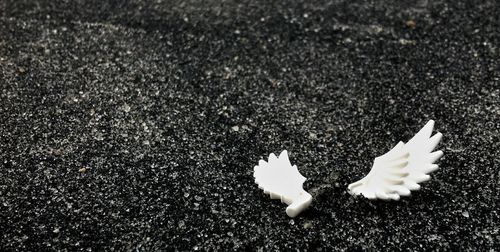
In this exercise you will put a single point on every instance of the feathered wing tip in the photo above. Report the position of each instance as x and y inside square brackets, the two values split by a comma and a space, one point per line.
[278, 178]
[399, 171]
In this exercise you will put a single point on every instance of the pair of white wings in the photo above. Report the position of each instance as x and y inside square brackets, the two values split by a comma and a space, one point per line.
[394, 174]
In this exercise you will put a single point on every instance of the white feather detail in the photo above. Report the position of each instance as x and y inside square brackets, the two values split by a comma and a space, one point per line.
[281, 180]
[399, 171]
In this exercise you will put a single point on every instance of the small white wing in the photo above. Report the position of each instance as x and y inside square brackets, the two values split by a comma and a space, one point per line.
[399, 171]
[281, 180]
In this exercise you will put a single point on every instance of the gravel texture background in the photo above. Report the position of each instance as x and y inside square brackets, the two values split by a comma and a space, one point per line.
[135, 125]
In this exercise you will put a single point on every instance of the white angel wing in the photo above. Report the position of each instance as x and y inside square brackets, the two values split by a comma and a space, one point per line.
[281, 180]
[399, 171]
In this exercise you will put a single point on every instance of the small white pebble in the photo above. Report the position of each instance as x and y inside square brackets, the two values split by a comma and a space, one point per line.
[312, 135]
[126, 108]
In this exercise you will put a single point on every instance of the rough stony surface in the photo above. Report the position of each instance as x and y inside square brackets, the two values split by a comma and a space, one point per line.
[135, 125]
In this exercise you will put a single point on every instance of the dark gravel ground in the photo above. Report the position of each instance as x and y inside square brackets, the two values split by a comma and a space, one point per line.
[136, 125]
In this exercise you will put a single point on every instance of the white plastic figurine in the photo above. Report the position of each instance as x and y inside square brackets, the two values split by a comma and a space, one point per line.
[399, 171]
[281, 180]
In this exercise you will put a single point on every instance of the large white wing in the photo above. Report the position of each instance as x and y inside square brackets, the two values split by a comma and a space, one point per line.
[281, 180]
[399, 171]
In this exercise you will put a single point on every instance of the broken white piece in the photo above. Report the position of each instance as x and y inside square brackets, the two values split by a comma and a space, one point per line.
[281, 180]
[399, 171]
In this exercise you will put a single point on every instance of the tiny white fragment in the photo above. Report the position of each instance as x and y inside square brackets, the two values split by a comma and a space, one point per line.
[281, 180]
[399, 171]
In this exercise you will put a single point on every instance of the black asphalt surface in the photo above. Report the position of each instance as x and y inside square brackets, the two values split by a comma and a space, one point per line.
[135, 125]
